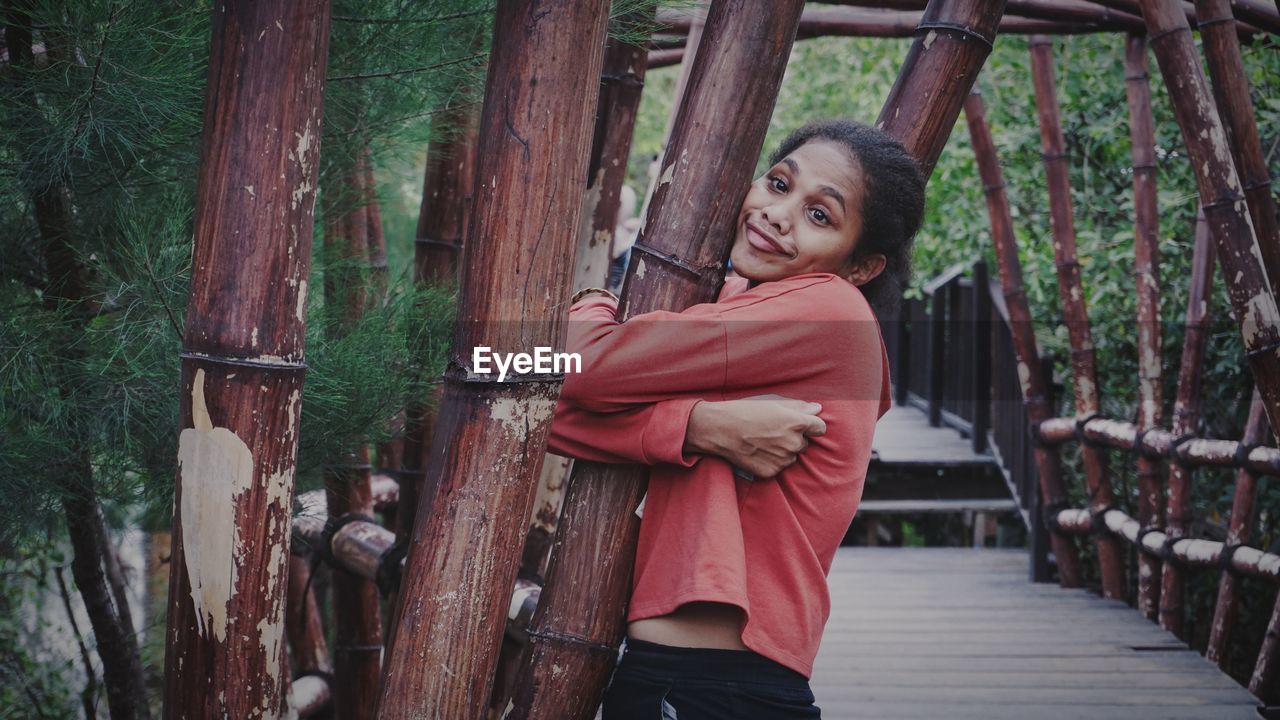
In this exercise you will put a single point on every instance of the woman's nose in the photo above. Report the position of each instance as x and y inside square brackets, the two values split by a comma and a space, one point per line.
[776, 215]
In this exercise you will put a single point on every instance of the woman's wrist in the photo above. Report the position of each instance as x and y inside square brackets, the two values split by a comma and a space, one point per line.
[584, 292]
[700, 435]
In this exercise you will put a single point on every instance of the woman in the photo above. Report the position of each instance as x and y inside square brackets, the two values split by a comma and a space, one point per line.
[729, 593]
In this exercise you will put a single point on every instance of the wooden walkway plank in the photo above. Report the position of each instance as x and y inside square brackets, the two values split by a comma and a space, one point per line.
[905, 437]
[960, 633]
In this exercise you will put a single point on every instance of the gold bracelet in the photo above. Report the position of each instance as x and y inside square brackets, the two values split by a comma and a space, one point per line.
[587, 291]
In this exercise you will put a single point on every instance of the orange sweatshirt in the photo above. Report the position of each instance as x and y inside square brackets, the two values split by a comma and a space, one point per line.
[765, 546]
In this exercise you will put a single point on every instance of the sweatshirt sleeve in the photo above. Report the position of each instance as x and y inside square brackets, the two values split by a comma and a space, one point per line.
[649, 434]
[650, 358]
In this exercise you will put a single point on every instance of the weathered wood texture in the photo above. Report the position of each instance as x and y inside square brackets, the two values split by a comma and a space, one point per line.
[1030, 373]
[448, 184]
[621, 81]
[1235, 108]
[308, 650]
[1186, 415]
[544, 75]
[995, 646]
[1183, 552]
[952, 42]
[1221, 196]
[1239, 532]
[1071, 298]
[242, 361]
[851, 22]
[1146, 270]
[676, 262]
[357, 656]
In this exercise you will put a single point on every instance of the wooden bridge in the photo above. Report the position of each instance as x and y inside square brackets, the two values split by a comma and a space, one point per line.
[959, 633]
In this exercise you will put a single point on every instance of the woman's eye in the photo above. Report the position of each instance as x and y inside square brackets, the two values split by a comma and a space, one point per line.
[778, 183]
[821, 216]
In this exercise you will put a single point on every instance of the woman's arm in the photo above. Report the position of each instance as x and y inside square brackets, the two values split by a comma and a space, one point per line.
[762, 435]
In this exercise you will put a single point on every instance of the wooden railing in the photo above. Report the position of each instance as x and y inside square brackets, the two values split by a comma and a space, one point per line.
[951, 355]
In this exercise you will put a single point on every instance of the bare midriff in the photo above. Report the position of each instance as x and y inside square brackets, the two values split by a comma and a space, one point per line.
[697, 625]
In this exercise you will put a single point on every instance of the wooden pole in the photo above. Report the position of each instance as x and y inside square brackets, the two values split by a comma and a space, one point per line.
[544, 76]
[952, 41]
[1030, 373]
[1238, 533]
[676, 262]
[1266, 673]
[1186, 415]
[449, 180]
[357, 656]
[1074, 310]
[303, 627]
[1235, 108]
[622, 81]
[1146, 268]
[242, 360]
[1220, 192]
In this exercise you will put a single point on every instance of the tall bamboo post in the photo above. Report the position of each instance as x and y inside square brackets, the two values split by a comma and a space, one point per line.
[303, 627]
[1220, 192]
[357, 651]
[1031, 375]
[1186, 414]
[242, 360]
[1238, 533]
[1265, 681]
[952, 42]
[1235, 108]
[448, 181]
[677, 261]
[535, 130]
[1075, 311]
[622, 81]
[1224, 208]
[1146, 264]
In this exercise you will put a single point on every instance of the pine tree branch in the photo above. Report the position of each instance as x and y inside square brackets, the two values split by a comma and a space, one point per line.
[393, 73]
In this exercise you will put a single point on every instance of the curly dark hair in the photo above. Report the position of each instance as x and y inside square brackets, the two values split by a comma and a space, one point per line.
[892, 200]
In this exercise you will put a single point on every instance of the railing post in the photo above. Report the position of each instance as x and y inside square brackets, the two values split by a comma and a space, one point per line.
[937, 353]
[1039, 540]
[903, 360]
[981, 356]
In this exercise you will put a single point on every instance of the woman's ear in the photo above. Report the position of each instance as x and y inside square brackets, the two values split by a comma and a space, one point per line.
[865, 269]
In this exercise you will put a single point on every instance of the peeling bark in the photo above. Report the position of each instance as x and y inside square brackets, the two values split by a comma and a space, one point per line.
[242, 360]
[535, 130]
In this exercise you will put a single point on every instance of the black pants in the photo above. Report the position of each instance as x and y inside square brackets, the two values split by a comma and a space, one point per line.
[659, 682]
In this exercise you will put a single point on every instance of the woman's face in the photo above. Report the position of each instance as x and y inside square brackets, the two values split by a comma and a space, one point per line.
[804, 215]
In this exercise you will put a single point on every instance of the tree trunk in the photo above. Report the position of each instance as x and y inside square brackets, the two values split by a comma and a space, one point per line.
[93, 563]
[732, 87]
[952, 42]
[242, 360]
[1186, 415]
[1030, 373]
[108, 611]
[1146, 268]
[535, 131]
[1075, 311]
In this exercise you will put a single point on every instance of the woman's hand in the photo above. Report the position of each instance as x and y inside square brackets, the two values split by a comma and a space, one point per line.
[762, 435]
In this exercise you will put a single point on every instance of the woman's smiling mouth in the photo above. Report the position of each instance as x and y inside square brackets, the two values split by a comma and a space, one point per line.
[764, 241]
